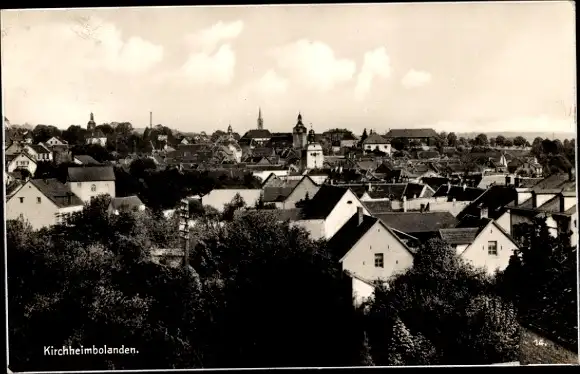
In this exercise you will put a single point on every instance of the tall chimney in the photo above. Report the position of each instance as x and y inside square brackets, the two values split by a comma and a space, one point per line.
[360, 215]
[151, 120]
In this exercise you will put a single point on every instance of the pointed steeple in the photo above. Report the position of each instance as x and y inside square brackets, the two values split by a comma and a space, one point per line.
[299, 117]
[260, 119]
[230, 128]
[91, 124]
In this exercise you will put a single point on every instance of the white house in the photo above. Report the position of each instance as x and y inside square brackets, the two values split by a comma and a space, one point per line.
[376, 142]
[285, 194]
[88, 182]
[42, 202]
[128, 203]
[55, 140]
[488, 246]
[21, 161]
[218, 198]
[369, 252]
[41, 153]
[327, 211]
[313, 154]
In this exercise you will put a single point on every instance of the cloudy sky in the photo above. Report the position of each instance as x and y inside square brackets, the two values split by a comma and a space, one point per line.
[453, 67]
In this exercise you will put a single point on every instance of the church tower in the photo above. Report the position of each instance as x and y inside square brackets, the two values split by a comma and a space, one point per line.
[313, 156]
[260, 120]
[299, 134]
[91, 124]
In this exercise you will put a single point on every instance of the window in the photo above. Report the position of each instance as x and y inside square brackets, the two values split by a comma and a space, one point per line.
[492, 248]
[93, 187]
[379, 260]
[21, 200]
[38, 200]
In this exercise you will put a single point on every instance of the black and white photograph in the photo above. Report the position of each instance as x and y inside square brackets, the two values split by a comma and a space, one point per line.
[290, 186]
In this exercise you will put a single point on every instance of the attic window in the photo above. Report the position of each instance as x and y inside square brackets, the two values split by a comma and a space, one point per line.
[349, 202]
[21, 200]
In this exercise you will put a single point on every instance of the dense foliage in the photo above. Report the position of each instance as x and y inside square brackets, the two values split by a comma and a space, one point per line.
[441, 311]
[241, 303]
[541, 279]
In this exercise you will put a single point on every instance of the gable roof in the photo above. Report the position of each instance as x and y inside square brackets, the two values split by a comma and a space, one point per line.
[555, 181]
[375, 138]
[87, 160]
[257, 134]
[90, 174]
[352, 232]
[322, 204]
[56, 192]
[458, 236]
[277, 194]
[434, 182]
[411, 133]
[459, 193]
[38, 148]
[378, 206]
[417, 222]
[128, 202]
[494, 199]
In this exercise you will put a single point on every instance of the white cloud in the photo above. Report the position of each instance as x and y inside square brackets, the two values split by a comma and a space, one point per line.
[415, 78]
[207, 39]
[211, 69]
[376, 64]
[313, 64]
[272, 83]
[66, 49]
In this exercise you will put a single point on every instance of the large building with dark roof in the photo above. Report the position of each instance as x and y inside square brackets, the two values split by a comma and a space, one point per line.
[423, 136]
[88, 182]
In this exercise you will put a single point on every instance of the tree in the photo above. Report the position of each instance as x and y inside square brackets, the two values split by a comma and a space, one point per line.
[481, 140]
[508, 143]
[452, 139]
[537, 149]
[138, 167]
[364, 136]
[430, 300]
[500, 140]
[520, 141]
[366, 358]
[232, 207]
[400, 143]
[42, 133]
[74, 135]
[492, 142]
[462, 141]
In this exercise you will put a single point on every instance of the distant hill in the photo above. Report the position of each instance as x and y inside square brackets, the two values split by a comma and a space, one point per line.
[530, 136]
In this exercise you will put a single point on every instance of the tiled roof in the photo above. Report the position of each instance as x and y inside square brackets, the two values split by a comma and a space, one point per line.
[458, 236]
[39, 148]
[57, 192]
[322, 204]
[128, 202]
[551, 206]
[494, 199]
[469, 221]
[411, 133]
[529, 182]
[276, 194]
[428, 154]
[459, 193]
[87, 160]
[378, 206]
[559, 180]
[286, 214]
[349, 234]
[257, 134]
[413, 190]
[375, 138]
[417, 222]
[90, 173]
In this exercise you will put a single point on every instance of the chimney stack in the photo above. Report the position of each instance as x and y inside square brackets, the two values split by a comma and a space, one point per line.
[464, 186]
[562, 204]
[151, 120]
[534, 200]
[507, 180]
[517, 182]
[360, 215]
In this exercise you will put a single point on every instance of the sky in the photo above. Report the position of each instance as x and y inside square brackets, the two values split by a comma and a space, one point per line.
[451, 66]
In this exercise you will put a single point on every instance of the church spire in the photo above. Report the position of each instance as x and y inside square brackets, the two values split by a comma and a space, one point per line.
[91, 124]
[260, 119]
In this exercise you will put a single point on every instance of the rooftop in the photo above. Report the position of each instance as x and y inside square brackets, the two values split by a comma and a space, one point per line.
[57, 192]
[418, 222]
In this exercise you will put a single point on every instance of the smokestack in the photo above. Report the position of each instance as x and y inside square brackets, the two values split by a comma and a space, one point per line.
[359, 212]
[150, 120]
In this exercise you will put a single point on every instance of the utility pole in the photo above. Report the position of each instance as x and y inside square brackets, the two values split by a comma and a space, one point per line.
[184, 229]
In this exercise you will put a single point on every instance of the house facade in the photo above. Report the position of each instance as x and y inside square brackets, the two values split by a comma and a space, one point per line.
[55, 140]
[88, 182]
[376, 142]
[489, 247]
[42, 202]
[22, 161]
